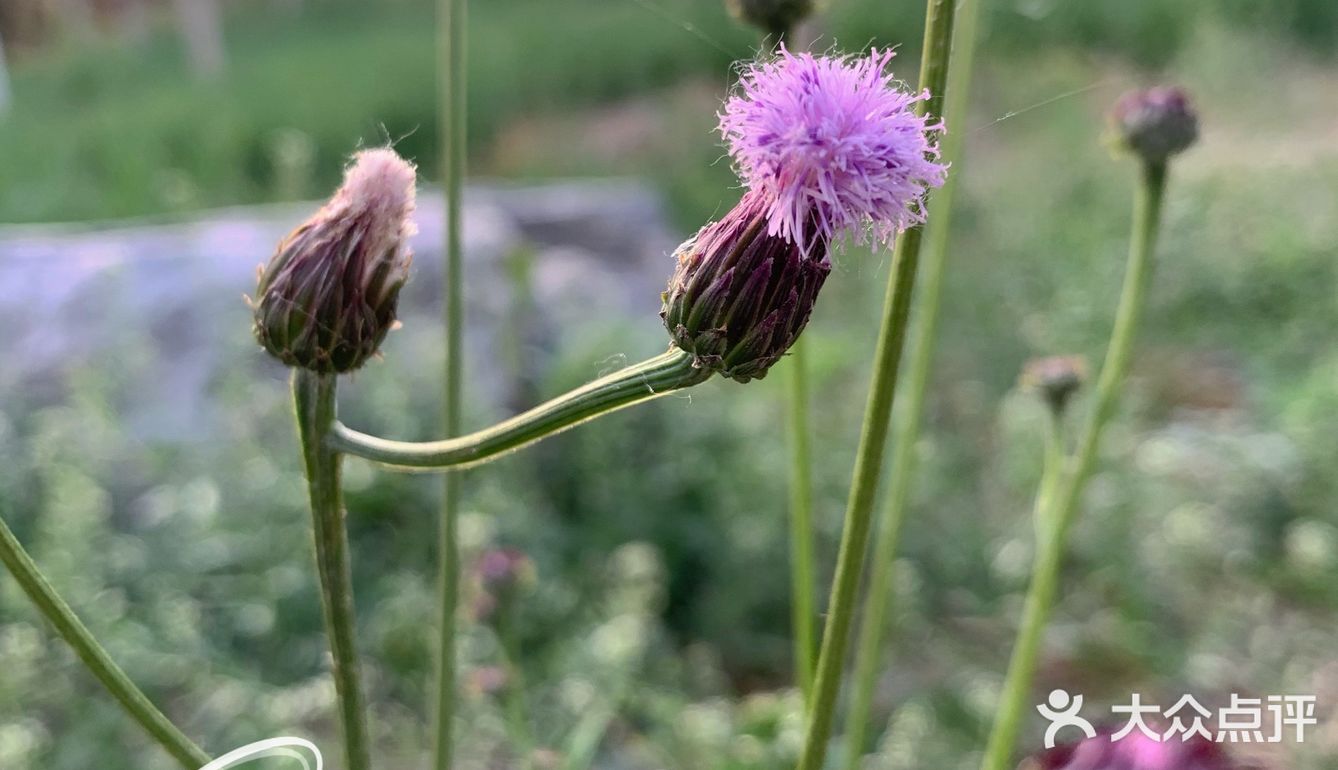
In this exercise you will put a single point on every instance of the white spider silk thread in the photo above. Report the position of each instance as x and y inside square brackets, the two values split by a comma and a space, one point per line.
[290, 748]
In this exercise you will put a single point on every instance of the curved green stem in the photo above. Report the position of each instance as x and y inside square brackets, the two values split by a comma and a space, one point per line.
[801, 520]
[906, 431]
[1061, 501]
[94, 656]
[877, 415]
[452, 124]
[650, 379]
[314, 400]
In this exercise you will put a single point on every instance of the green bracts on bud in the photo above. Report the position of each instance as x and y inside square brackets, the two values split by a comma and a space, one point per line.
[740, 297]
[328, 297]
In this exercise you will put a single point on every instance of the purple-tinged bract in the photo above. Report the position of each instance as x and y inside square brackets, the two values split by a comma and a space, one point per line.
[1155, 123]
[836, 146]
[740, 297]
[329, 295]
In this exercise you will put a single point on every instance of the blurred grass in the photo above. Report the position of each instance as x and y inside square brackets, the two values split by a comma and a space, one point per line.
[108, 129]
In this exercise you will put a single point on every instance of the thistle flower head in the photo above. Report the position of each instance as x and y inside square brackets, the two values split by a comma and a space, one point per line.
[1154, 123]
[328, 296]
[834, 144]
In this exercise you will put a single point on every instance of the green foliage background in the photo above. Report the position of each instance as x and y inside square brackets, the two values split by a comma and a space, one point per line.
[656, 635]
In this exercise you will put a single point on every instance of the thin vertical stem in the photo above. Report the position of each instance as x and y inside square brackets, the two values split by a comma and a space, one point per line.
[801, 519]
[95, 657]
[877, 415]
[799, 427]
[314, 400]
[906, 430]
[451, 66]
[514, 692]
[1058, 510]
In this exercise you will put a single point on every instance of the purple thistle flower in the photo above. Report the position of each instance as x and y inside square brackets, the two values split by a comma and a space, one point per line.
[835, 145]
[1134, 751]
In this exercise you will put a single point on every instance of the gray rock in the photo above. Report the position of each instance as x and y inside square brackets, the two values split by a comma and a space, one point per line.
[595, 250]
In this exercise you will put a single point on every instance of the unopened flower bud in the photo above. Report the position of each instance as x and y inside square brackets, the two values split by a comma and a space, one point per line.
[1155, 123]
[775, 17]
[1055, 379]
[328, 296]
[740, 296]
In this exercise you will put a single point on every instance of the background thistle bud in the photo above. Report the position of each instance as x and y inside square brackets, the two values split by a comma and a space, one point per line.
[328, 296]
[774, 17]
[500, 576]
[1055, 379]
[740, 296]
[1155, 123]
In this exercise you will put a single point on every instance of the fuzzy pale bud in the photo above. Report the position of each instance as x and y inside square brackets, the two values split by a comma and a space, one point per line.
[1155, 123]
[1055, 379]
[740, 296]
[328, 296]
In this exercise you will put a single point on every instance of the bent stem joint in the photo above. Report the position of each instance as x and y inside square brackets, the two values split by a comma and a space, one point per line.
[650, 379]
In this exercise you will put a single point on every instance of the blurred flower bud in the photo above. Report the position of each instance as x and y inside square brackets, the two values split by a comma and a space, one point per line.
[546, 759]
[1055, 379]
[500, 575]
[486, 680]
[740, 296]
[328, 296]
[1155, 123]
[1135, 751]
[504, 569]
[774, 17]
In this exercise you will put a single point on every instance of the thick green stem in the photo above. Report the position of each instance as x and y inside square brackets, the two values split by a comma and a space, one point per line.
[650, 379]
[877, 415]
[1060, 502]
[314, 399]
[906, 430]
[451, 70]
[95, 658]
[801, 520]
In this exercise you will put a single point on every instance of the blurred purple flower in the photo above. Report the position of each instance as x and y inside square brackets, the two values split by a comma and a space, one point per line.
[503, 568]
[836, 146]
[1135, 751]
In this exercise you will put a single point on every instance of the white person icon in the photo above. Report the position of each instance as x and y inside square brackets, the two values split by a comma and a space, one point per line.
[1062, 711]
